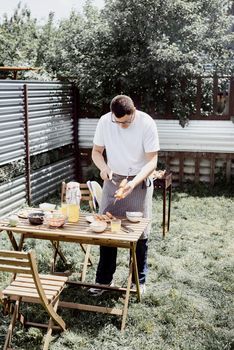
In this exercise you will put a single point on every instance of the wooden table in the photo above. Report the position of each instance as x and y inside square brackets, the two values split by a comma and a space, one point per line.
[81, 233]
[165, 183]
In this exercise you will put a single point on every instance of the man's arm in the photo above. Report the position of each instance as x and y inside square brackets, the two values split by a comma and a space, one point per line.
[150, 166]
[99, 161]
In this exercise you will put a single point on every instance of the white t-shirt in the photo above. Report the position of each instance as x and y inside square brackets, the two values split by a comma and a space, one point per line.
[126, 148]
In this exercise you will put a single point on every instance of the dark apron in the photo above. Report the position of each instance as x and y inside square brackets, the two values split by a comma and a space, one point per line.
[140, 199]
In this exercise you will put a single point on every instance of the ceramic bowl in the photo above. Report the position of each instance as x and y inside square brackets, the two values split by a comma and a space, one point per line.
[98, 226]
[55, 220]
[134, 216]
[13, 220]
[89, 218]
[36, 218]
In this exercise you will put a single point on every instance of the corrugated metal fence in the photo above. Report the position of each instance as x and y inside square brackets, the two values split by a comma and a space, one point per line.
[35, 117]
[201, 151]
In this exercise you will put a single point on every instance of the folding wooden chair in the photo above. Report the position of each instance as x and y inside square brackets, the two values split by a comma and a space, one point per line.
[85, 197]
[96, 193]
[30, 287]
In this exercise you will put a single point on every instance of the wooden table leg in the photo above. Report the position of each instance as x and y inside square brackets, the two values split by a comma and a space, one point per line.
[164, 211]
[86, 261]
[58, 251]
[125, 308]
[90, 262]
[165, 183]
[169, 208]
[13, 240]
[132, 268]
[135, 270]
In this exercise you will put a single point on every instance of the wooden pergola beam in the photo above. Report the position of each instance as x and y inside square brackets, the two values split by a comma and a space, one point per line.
[15, 70]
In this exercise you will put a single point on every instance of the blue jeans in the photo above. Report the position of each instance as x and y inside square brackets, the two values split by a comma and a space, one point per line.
[107, 263]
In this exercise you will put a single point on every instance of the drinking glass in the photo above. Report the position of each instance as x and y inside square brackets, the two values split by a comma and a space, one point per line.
[115, 225]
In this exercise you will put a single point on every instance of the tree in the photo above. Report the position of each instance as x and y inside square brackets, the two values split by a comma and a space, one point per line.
[23, 42]
[149, 49]
[144, 48]
[158, 42]
[18, 38]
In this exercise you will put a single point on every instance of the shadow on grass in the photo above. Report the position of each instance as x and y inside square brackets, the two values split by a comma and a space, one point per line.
[85, 322]
[83, 319]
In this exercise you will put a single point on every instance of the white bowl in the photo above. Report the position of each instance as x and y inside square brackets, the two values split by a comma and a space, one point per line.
[89, 218]
[47, 206]
[13, 220]
[134, 216]
[98, 226]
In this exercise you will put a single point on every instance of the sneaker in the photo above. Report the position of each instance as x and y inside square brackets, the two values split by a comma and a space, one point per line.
[97, 292]
[142, 288]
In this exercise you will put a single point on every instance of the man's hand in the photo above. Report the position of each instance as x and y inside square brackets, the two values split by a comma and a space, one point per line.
[124, 191]
[105, 173]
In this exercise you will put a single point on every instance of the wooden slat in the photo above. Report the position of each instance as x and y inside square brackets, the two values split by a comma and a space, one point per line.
[17, 289]
[32, 285]
[26, 299]
[25, 294]
[93, 308]
[53, 278]
[40, 325]
[13, 262]
[49, 277]
[13, 254]
[85, 193]
[15, 269]
[100, 286]
[47, 282]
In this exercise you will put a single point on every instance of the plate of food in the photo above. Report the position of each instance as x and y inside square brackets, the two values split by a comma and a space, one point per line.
[104, 217]
[100, 217]
[23, 214]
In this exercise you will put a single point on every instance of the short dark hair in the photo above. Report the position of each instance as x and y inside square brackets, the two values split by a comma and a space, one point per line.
[121, 105]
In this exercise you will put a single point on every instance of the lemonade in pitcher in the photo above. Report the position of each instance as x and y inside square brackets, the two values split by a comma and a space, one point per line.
[73, 196]
[73, 212]
[63, 209]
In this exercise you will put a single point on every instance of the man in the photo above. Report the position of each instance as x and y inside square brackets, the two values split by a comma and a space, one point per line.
[130, 139]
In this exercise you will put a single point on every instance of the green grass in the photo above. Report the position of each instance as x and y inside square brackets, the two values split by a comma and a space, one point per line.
[189, 299]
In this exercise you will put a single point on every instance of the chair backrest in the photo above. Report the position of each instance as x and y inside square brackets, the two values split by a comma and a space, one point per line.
[25, 263]
[85, 194]
[15, 262]
[96, 193]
